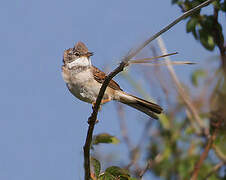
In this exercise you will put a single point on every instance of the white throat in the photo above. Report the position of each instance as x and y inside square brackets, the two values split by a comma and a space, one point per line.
[82, 61]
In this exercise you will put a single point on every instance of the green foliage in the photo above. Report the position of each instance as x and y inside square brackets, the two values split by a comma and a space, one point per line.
[111, 173]
[108, 176]
[178, 142]
[96, 166]
[202, 29]
[105, 138]
[205, 28]
[118, 172]
[191, 26]
[206, 39]
[164, 121]
[219, 144]
[196, 75]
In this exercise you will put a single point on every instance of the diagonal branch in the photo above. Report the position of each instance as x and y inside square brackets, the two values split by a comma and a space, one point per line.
[215, 126]
[204, 155]
[181, 90]
[93, 117]
[122, 65]
[183, 16]
[215, 168]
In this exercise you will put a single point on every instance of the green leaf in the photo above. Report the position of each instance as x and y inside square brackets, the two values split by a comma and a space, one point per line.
[196, 75]
[96, 166]
[191, 24]
[106, 176]
[164, 121]
[105, 138]
[118, 172]
[194, 32]
[216, 4]
[207, 23]
[206, 39]
[174, 1]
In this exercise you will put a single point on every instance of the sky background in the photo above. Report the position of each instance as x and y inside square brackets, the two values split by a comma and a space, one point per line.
[42, 126]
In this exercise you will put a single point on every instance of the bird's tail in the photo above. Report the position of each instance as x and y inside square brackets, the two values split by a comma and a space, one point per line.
[149, 108]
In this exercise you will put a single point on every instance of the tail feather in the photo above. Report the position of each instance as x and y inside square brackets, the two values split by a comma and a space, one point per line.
[149, 105]
[149, 108]
[144, 110]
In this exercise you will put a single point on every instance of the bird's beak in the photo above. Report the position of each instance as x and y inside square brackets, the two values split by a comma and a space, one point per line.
[88, 54]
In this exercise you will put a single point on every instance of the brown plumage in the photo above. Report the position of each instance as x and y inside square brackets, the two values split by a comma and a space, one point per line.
[100, 76]
[147, 107]
[84, 81]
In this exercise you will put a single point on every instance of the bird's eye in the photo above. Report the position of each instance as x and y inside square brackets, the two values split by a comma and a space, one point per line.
[76, 54]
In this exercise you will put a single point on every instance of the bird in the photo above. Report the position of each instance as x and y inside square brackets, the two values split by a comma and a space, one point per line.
[85, 80]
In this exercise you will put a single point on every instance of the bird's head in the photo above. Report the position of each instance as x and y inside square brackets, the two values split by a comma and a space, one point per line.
[77, 56]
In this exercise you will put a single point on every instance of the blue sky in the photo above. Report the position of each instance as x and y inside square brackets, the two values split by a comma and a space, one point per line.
[42, 126]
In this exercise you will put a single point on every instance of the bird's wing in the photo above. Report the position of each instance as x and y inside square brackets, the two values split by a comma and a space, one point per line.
[100, 76]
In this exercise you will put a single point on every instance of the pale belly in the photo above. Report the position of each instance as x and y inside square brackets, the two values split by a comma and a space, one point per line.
[84, 87]
[83, 92]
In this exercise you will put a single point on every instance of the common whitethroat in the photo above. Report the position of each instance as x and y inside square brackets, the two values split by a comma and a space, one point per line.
[84, 81]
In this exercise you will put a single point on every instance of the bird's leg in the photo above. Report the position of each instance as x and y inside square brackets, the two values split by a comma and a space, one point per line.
[103, 101]
[93, 104]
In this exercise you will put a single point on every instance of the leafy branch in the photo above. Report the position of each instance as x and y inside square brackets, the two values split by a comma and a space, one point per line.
[122, 65]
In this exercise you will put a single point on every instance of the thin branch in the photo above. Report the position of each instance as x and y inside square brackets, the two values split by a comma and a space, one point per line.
[124, 63]
[159, 76]
[93, 117]
[219, 153]
[209, 145]
[149, 165]
[193, 123]
[183, 16]
[135, 152]
[146, 63]
[152, 58]
[215, 168]
[203, 156]
[181, 91]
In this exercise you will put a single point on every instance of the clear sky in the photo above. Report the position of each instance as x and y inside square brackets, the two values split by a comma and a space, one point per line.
[42, 126]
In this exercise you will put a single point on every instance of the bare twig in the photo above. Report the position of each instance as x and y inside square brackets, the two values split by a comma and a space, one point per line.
[181, 91]
[183, 16]
[152, 58]
[193, 123]
[135, 152]
[149, 164]
[219, 153]
[146, 63]
[124, 63]
[159, 76]
[204, 155]
[215, 168]
[93, 117]
[208, 146]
